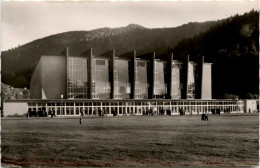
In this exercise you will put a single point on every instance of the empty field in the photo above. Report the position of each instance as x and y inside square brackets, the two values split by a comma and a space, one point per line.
[226, 140]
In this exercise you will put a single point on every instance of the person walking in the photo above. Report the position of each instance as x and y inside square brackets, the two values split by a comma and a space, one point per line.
[80, 120]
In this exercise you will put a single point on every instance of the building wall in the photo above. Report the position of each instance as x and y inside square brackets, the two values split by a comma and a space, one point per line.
[192, 83]
[110, 77]
[133, 107]
[36, 82]
[127, 107]
[184, 79]
[53, 77]
[160, 85]
[13, 108]
[206, 82]
[251, 106]
[177, 86]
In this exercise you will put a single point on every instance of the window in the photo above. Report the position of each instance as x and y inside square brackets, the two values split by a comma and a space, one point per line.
[101, 86]
[122, 78]
[77, 77]
[100, 62]
[141, 64]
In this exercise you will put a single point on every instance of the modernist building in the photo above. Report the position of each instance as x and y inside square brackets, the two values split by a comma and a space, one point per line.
[129, 84]
[127, 76]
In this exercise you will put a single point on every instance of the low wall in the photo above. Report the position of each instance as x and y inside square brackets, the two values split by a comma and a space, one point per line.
[15, 108]
[251, 106]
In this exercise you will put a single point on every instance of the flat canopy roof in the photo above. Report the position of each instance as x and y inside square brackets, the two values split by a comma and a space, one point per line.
[117, 100]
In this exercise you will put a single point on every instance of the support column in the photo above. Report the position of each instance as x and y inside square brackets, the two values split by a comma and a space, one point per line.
[185, 77]
[153, 76]
[90, 74]
[126, 108]
[109, 107]
[92, 109]
[169, 80]
[101, 108]
[112, 80]
[118, 108]
[198, 89]
[171, 107]
[74, 109]
[207, 109]
[89, 54]
[133, 75]
[177, 105]
[67, 71]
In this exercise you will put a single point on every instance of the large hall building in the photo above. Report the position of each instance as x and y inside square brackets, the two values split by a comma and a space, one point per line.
[127, 76]
[127, 84]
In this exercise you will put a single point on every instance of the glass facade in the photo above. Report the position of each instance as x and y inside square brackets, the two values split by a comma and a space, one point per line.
[77, 77]
[122, 85]
[177, 86]
[78, 80]
[141, 82]
[141, 107]
[101, 85]
[192, 80]
[160, 83]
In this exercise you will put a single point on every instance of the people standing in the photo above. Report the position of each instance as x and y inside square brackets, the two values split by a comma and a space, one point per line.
[82, 113]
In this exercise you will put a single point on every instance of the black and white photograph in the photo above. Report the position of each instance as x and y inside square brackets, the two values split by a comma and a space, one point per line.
[130, 83]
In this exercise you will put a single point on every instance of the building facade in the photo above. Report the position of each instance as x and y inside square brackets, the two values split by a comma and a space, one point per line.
[128, 84]
[127, 76]
[108, 107]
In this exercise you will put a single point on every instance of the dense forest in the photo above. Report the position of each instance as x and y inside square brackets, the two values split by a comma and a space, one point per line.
[233, 48]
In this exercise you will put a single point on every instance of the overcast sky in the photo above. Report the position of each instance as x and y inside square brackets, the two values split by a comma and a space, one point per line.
[23, 22]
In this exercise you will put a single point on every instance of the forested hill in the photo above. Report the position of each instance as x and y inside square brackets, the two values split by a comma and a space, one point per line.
[19, 63]
[230, 44]
[233, 48]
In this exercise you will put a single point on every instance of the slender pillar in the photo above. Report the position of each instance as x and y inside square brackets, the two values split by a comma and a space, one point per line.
[185, 77]
[152, 81]
[169, 74]
[112, 59]
[89, 54]
[90, 73]
[133, 69]
[67, 71]
[198, 89]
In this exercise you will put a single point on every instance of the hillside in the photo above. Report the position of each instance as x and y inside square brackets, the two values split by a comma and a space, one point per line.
[230, 44]
[233, 48]
[18, 64]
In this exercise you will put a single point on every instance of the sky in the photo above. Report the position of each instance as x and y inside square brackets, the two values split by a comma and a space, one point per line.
[23, 22]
